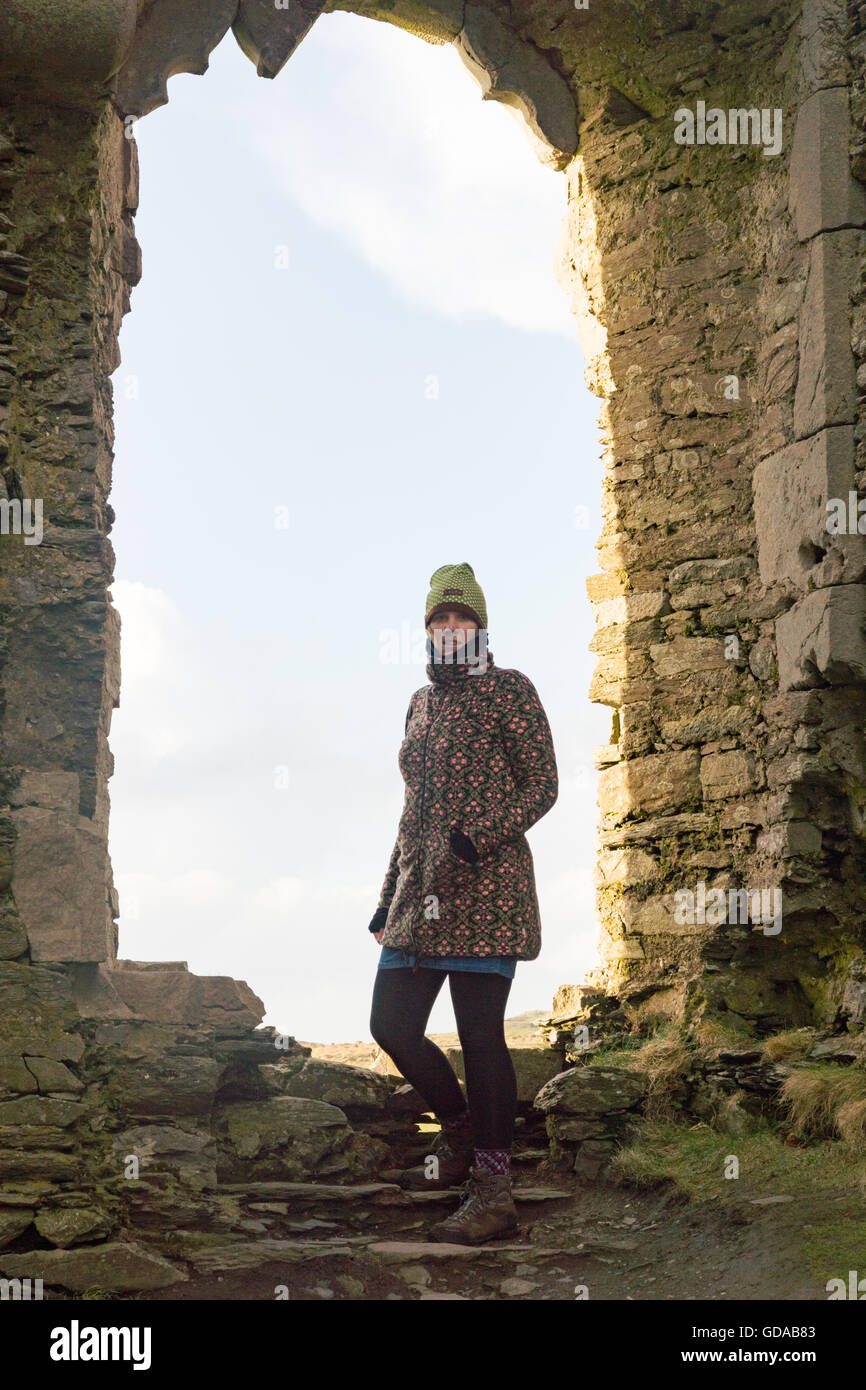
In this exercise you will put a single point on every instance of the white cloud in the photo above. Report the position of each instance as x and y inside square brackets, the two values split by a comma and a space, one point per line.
[150, 624]
[284, 895]
[438, 190]
[143, 894]
[154, 720]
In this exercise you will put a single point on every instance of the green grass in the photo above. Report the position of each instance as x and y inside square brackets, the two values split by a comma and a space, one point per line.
[624, 1056]
[692, 1159]
[832, 1248]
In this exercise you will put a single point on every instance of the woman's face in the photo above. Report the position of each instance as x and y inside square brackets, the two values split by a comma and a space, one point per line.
[449, 628]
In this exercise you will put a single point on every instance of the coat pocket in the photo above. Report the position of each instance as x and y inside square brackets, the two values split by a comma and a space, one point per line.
[450, 877]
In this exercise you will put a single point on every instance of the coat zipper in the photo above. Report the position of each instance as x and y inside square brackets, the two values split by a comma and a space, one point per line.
[421, 819]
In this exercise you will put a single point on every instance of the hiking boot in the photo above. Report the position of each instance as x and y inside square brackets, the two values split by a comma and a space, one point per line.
[486, 1212]
[454, 1151]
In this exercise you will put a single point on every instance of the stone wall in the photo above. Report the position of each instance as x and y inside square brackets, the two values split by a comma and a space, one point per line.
[62, 209]
[730, 624]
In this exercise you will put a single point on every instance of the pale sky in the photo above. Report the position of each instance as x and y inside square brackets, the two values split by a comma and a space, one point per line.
[347, 363]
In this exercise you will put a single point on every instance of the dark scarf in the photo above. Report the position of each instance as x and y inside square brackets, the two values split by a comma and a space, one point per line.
[450, 671]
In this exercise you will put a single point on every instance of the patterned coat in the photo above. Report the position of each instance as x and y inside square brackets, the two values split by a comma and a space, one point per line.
[477, 757]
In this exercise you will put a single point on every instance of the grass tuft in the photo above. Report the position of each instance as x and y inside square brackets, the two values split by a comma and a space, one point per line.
[815, 1098]
[790, 1046]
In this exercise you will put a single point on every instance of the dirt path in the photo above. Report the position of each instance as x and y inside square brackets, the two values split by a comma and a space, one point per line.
[618, 1243]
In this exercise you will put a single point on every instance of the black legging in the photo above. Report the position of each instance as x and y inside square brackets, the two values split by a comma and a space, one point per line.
[402, 1000]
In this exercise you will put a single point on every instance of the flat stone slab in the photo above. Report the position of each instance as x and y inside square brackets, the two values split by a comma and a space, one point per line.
[314, 1224]
[344, 1193]
[13, 1221]
[604, 1244]
[520, 1194]
[248, 1254]
[392, 1251]
[539, 1194]
[118, 1266]
[244, 1254]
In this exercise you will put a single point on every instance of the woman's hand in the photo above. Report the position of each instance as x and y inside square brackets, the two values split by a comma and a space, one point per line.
[379, 922]
[462, 846]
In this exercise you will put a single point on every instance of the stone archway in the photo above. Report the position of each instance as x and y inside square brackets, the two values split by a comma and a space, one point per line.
[721, 293]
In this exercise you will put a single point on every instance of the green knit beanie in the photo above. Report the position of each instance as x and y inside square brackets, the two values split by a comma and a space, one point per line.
[456, 585]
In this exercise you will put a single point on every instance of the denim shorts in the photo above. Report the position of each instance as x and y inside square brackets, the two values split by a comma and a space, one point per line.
[392, 958]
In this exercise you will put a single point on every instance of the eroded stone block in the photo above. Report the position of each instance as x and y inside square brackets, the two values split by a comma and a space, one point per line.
[269, 36]
[661, 781]
[171, 36]
[176, 996]
[655, 916]
[630, 608]
[60, 885]
[791, 490]
[789, 839]
[826, 388]
[119, 1266]
[627, 865]
[590, 1091]
[613, 949]
[686, 654]
[824, 635]
[510, 70]
[823, 56]
[726, 775]
[57, 790]
[61, 47]
[822, 195]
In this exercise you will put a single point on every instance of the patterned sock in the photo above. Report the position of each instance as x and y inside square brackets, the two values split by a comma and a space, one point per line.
[493, 1160]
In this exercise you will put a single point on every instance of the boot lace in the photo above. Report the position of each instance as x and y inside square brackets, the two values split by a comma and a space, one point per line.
[470, 1197]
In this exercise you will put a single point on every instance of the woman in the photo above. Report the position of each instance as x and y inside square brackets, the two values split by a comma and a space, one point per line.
[459, 898]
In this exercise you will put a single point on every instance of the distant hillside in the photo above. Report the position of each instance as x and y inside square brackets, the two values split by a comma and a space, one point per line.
[522, 1028]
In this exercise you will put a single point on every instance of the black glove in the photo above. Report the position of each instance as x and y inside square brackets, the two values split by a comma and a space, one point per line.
[462, 846]
[379, 918]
